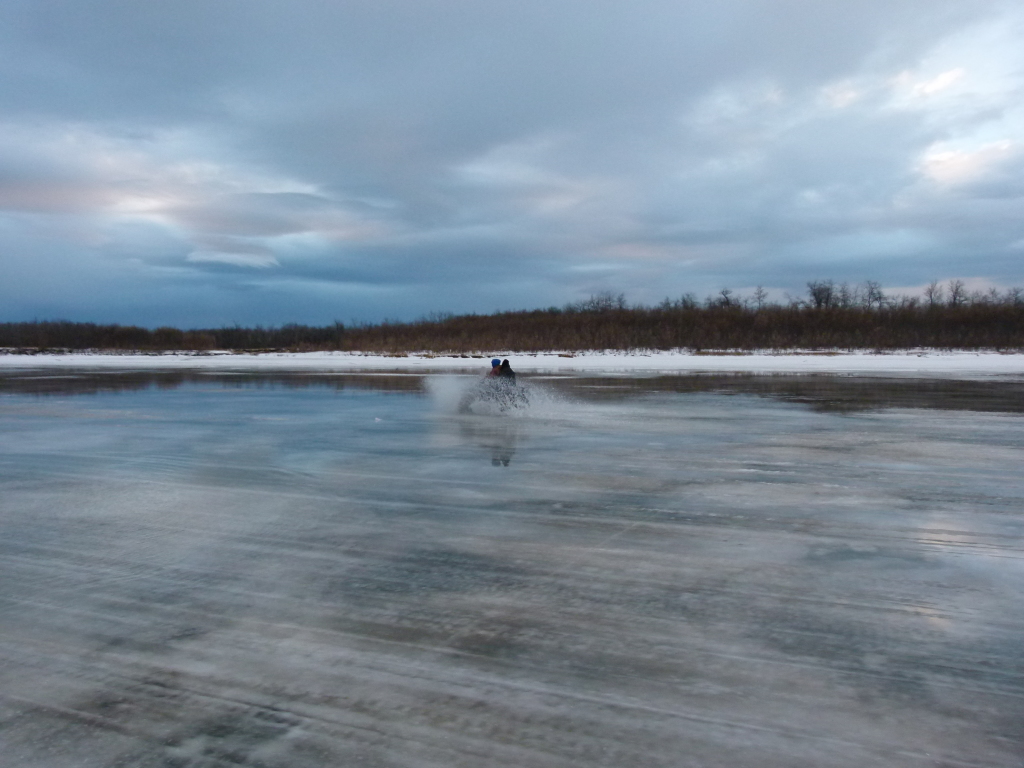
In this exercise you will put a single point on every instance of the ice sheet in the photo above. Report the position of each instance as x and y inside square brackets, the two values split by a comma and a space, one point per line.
[300, 571]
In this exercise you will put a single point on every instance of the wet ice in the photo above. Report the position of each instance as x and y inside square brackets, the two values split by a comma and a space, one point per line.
[330, 570]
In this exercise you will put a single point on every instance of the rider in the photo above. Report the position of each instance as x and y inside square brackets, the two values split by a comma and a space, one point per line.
[495, 367]
[506, 372]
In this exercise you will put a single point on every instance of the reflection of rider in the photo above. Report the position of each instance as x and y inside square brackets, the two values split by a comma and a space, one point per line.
[501, 455]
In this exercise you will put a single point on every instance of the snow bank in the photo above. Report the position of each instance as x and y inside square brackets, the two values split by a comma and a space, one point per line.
[917, 363]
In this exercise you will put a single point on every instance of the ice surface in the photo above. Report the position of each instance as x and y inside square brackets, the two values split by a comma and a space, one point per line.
[202, 569]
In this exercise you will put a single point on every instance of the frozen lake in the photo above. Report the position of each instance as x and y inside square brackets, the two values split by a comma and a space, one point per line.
[290, 570]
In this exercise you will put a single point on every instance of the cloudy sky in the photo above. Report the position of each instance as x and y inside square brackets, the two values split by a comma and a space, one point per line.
[202, 163]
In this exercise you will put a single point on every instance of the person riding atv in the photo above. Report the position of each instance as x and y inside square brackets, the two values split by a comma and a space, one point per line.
[497, 388]
[505, 372]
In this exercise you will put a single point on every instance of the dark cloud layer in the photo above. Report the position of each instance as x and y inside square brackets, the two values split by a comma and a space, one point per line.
[202, 163]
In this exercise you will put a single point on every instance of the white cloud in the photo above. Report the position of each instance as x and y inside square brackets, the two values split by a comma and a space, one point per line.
[115, 172]
[952, 167]
[254, 260]
[841, 95]
[939, 83]
[177, 179]
[732, 105]
[524, 177]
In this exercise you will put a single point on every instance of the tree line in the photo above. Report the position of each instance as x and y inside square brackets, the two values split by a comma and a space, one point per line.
[830, 316]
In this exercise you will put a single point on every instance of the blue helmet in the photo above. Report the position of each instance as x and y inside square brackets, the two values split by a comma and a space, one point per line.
[495, 361]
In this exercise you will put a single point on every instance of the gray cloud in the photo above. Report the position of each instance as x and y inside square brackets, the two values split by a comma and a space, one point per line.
[199, 163]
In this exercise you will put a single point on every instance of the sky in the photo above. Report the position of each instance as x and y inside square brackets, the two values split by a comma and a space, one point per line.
[248, 162]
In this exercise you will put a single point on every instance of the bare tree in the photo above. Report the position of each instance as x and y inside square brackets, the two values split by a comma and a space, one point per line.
[903, 301]
[844, 296]
[760, 295]
[933, 293]
[604, 302]
[957, 293]
[873, 296]
[726, 299]
[688, 301]
[822, 293]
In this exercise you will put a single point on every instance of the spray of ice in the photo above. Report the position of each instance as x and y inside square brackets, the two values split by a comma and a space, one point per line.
[474, 395]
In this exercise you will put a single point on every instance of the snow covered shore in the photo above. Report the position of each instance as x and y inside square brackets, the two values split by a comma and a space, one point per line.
[916, 363]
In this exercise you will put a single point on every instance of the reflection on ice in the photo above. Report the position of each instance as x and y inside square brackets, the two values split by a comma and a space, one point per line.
[294, 570]
[496, 436]
[821, 392]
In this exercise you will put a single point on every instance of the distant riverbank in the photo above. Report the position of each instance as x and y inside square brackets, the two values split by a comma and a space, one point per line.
[832, 318]
[916, 362]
